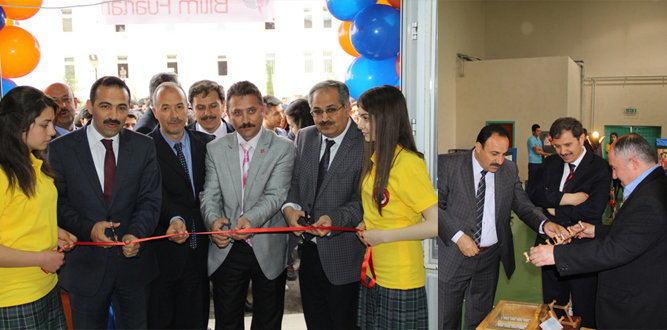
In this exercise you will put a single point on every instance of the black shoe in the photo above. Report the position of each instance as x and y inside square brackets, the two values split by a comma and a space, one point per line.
[248, 307]
[291, 273]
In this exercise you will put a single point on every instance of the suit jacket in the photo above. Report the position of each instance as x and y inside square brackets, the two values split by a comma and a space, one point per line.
[266, 189]
[147, 122]
[592, 176]
[457, 209]
[341, 253]
[631, 256]
[135, 204]
[178, 200]
[230, 128]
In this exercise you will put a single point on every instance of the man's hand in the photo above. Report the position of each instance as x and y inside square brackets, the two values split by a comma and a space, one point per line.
[98, 235]
[554, 229]
[360, 234]
[588, 232]
[51, 261]
[292, 217]
[242, 223]
[324, 221]
[178, 227]
[66, 240]
[542, 255]
[552, 211]
[573, 199]
[467, 246]
[130, 249]
[221, 240]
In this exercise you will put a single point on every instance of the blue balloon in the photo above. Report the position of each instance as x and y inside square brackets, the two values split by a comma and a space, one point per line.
[7, 85]
[376, 32]
[3, 18]
[364, 74]
[345, 10]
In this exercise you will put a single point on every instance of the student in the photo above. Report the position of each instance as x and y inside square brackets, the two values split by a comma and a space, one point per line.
[395, 192]
[29, 233]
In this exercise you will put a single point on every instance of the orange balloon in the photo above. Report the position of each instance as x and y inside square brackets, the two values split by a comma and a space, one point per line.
[383, 2]
[398, 65]
[20, 13]
[19, 52]
[395, 3]
[344, 39]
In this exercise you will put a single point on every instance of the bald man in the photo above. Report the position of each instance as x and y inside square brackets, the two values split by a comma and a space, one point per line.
[63, 95]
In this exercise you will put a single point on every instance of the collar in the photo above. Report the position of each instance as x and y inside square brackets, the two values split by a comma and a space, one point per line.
[578, 161]
[339, 139]
[254, 141]
[94, 136]
[219, 132]
[631, 187]
[185, 139]
[476, 167]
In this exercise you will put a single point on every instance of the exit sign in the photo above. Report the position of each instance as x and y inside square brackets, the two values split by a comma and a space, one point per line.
[630, 111]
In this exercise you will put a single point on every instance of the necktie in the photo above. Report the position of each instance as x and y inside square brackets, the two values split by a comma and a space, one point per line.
[109, 170]
[181, 157]
[481, 190]
[324, 163]
[572, 166]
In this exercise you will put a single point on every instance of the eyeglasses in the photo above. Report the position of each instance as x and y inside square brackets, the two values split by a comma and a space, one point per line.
[329, 111]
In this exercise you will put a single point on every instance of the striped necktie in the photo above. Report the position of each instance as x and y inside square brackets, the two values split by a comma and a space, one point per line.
[481, 189]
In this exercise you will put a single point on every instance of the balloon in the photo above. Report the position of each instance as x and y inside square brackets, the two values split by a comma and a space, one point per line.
[364, 74]
[7, 85]
[345, 10]
[19, 52]
[376, 32]
[20, 13]
[383, 2]
[344, 39]
[3, 18]
[395, 3]
[398, 65]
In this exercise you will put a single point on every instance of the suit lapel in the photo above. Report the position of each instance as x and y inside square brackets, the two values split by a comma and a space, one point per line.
[167, 154]
[123, 165]
[85, 157]
[341, 154]
[314, 158]
[258, 157]
[234, 167]
[197, 148]
[469, 187]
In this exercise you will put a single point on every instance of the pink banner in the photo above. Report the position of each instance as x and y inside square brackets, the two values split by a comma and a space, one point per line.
[186, 11]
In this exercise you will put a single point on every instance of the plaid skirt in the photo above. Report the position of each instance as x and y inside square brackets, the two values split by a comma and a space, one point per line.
[44, 313]
[382, 308]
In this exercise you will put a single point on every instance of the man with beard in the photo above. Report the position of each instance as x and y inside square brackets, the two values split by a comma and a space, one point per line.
[67, 103]
[208, 104]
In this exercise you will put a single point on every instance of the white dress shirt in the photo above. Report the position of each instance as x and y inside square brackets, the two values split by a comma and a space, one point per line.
[253, 144]
[220, 132]
[98, 150]
[566, 168]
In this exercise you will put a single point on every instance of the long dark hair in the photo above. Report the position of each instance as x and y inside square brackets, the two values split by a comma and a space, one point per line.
[18, 110]
[299, 110]
[391, 125]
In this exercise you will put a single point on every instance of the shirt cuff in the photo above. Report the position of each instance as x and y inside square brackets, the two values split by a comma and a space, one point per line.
[456, 237]
[295, 206]
[176, 217]
[542, 227]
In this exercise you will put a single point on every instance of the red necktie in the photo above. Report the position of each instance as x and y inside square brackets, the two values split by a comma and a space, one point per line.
[109, 170]
[572, 166]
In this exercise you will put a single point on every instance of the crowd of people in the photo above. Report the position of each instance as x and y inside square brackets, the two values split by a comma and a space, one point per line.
[81, 191]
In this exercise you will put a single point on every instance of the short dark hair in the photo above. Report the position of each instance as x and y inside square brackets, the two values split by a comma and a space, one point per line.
[633, 145]
[299, 110]
[83, 114]
[535, 126]
[158, 79]
[489, 130]
[613, 134]
[131, 114]
[109, 81]
[271, 101]
[343, 91]
[243, 88]
[206, 87]
[566, 124]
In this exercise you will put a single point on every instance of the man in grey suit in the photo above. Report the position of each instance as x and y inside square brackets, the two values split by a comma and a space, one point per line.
[477, 191]
[330, 264]
[109, 189]
[247, 180]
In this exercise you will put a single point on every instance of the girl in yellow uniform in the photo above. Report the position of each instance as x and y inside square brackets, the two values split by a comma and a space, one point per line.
[29, 233]
[395, 192]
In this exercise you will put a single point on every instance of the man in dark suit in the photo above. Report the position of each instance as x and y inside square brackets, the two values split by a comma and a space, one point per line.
[630, 254]
[476, 193]
[180, 294]
[569, 188]
[208, 104]
[330, 264]
[148, 122]
[117, 198]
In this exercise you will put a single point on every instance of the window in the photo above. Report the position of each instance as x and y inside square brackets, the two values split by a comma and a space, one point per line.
[328, 61]
[172, 67]
[69, 68]
[120, 28]
[222, 65]
[326, 17]
[67, 20]
[123, 67]
[271, 62]
[307, 18]
[308, 62]
[269, 25]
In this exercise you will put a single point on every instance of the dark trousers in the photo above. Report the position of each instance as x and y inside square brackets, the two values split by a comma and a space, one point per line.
[130, 304]
[583, 289]
[325, 305]
[181, 303]
[230, 288]
[475, 280]
[533, 172]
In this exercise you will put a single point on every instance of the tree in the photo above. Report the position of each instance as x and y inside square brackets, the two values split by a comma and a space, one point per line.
[269, 79]
[70, 80]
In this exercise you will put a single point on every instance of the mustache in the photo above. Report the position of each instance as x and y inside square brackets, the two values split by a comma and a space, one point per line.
[63, 110]
[495, 164]
[328, 122]
[247, 125]
[111, 121]
[174, 121]
[208, 117]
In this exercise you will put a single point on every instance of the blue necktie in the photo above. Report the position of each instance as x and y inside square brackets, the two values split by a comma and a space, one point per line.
[184, 163]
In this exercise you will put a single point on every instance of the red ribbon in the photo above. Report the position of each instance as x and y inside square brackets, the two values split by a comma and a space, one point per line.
[368, 260]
